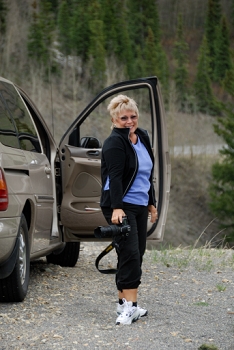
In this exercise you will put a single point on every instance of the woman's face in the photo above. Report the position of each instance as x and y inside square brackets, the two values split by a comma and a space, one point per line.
[127, 119]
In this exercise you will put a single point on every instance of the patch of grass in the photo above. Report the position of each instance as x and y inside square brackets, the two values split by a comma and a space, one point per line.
[201, 303]
[207, 265]
[203, 258]
[208, 347]
[221, 287]
[170, 257]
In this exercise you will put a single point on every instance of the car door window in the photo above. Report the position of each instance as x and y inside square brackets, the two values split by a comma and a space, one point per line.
[27, 134]
[8, 134]
[98, 123]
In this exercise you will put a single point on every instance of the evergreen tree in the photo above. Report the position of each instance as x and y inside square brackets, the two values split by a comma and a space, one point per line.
[40, 36]
[111, 26]
[96, 49]
[47, 20]
[138, 64]
[206, 102]
[80, 30]
[3, 12]
[228, 82]
[155, 61]
[222, 52]
[126, 54]
[117, 40]
[151, 55]
[151, 19]
[36, 46]
[136, 23]
[222, 186]
[64, 25]
[163, 72]
[54, 5]
[232, 12]
[143, 14]
[181, 72]
[213, 19]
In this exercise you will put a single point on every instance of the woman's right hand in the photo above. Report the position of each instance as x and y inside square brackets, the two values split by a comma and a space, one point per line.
[117, 216]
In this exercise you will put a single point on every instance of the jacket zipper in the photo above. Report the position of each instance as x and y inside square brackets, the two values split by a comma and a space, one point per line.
[136, 168]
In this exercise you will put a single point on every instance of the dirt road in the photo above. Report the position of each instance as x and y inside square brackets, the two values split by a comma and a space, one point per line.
[190, 303]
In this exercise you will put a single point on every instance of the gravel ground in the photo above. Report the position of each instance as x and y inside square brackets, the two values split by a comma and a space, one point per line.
[190, 303]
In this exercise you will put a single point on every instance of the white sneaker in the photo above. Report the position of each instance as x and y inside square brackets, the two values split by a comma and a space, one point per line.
[120, 308]
[129, 314]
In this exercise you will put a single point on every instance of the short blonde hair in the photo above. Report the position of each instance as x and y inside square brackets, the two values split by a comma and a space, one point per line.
[121, 103]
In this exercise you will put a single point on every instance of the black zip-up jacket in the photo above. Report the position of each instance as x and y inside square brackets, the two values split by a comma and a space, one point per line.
[120, 162]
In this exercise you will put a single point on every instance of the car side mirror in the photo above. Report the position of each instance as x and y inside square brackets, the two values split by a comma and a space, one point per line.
[90, 142]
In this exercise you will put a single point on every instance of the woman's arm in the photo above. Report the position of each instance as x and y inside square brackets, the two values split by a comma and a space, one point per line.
[153, 212]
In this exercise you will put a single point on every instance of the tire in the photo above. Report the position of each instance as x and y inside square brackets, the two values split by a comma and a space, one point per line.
[68, 257]
[14, 287]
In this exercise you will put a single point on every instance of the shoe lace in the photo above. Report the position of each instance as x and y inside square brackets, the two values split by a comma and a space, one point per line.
[127, 306]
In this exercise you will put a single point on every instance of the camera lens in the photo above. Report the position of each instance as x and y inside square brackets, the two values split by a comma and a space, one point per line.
[112, 230]
[102, 232]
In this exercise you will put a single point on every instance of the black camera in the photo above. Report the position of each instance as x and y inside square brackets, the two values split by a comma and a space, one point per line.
[113, 230]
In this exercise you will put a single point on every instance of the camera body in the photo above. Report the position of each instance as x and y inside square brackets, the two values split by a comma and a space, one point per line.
[112, 231]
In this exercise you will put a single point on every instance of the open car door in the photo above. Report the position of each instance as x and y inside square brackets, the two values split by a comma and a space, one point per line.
[80, 158]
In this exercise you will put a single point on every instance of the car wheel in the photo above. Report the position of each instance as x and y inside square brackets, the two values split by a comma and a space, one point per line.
[68, 257]
[14, 287]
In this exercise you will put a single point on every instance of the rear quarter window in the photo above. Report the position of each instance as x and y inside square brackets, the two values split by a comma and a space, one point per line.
[8, 134]
[27, 134]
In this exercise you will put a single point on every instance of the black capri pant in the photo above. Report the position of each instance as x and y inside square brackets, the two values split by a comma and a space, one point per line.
[131, 251]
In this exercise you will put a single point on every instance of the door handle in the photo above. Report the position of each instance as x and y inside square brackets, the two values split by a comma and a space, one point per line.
[92, 209]
[93, 153]
[47, 170]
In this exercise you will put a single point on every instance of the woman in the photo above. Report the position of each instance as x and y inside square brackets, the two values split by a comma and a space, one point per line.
[127, 190]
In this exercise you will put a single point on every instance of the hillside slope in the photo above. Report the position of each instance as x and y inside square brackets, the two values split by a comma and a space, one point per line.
[61, 98]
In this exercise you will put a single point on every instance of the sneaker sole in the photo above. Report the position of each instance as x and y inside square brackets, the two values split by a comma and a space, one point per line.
[128, 323]
[145, 314]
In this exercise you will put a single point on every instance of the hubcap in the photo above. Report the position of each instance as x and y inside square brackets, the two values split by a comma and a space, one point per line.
[22, 258]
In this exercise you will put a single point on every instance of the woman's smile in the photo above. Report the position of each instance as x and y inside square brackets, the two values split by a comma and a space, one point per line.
[127, 119]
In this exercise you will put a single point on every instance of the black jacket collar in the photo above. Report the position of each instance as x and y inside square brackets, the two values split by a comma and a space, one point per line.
[124, 132]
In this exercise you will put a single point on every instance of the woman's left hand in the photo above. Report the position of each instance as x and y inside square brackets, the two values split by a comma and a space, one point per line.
[153, 213]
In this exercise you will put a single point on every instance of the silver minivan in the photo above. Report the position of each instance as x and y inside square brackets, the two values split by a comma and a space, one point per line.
[49, 194]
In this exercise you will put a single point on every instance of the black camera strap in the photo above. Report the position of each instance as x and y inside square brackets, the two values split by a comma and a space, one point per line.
[107, 250]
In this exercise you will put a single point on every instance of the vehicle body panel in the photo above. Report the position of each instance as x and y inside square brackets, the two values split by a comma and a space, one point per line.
[30, 181]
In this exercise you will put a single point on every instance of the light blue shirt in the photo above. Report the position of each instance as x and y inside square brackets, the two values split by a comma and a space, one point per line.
[138, 192]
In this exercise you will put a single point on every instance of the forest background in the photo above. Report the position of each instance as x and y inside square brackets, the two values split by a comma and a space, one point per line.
[64, 52]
